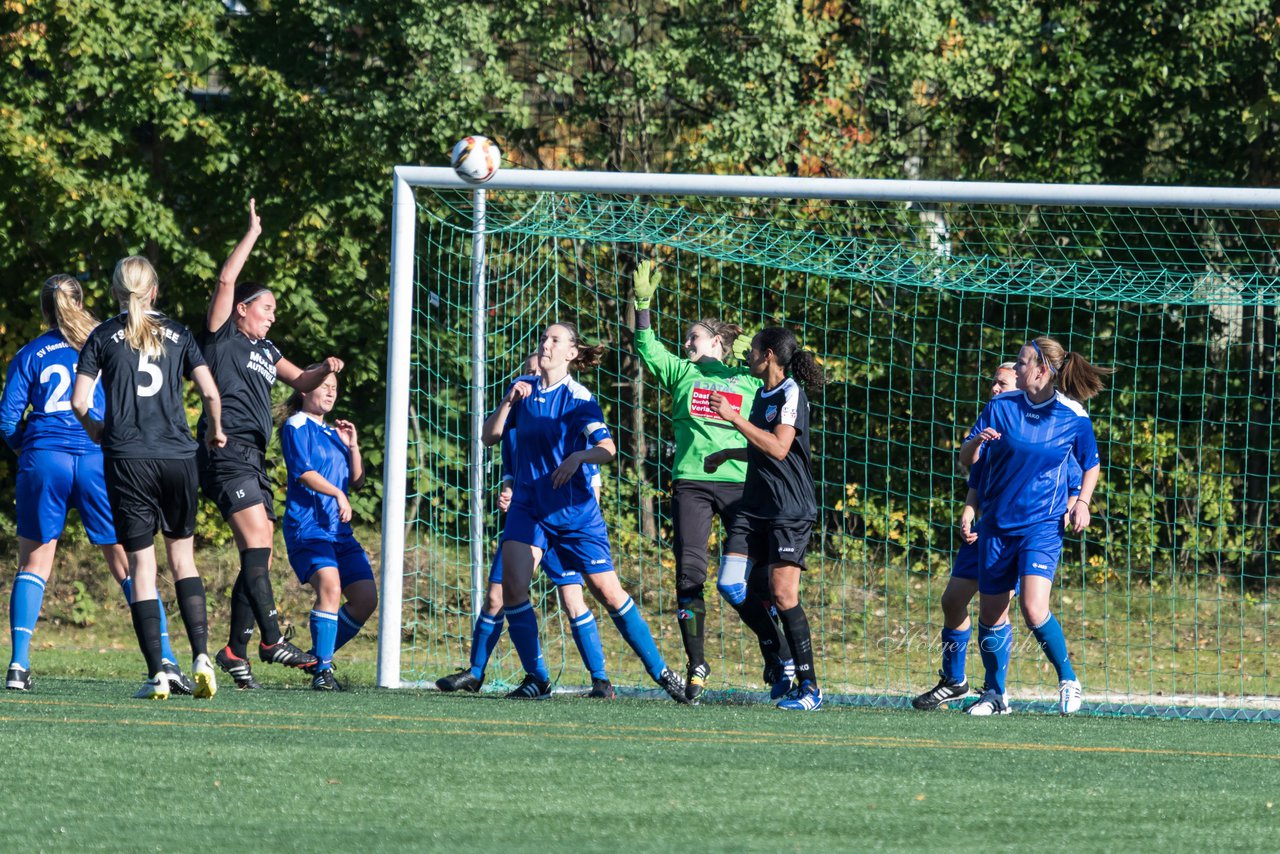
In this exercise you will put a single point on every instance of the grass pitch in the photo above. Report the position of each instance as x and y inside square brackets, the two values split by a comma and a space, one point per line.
[88, 767]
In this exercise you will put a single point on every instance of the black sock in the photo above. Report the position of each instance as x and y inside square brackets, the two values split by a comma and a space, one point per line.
[756, 616]
[692, 614]
[195, 613]
[784, 648]
[796, 627]
[758, 589]
[146, 623]
[254, 565]
[241, 619]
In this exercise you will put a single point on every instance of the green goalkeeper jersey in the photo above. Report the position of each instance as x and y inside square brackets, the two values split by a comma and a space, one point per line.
[699, 430]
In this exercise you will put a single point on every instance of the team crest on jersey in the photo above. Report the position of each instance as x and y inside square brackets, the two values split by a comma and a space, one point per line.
[771, 413]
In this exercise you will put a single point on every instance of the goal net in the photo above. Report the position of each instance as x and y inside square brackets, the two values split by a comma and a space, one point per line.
[911, 294]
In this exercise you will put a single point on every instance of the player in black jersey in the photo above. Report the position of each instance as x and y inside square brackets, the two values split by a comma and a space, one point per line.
[778, 507]
[149, 457]
[245, 365]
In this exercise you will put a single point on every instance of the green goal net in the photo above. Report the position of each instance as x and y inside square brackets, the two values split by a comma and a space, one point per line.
[1166, 600]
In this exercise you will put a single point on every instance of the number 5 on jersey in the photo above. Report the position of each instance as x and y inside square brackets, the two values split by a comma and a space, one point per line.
[155, 379]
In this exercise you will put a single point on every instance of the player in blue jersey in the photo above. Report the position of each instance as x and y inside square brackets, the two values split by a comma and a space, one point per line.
[149, 457]
[560, 428]
[324, 465]
[1025, 438]
[488, 625]
[59, 467]
[779, 507]
[963, 584]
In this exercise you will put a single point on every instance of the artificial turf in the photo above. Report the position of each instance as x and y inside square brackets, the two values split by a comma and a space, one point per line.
[88, 767]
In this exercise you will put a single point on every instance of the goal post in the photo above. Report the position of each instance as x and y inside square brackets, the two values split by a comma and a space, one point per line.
[909, 291]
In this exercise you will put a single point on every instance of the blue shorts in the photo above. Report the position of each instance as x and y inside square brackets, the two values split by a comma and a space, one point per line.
[550, 565]
[306, 556]
[1008, 557]
[968, 562]
[50, 482]
[581, 547]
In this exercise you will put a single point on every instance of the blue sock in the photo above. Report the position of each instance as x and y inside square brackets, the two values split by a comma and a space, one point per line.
[347, 628]
[484, 640]
[635, 631]
[324, 633]
[166, 651]
[522, 626]
[24, 611]
[995, 644]
[586, 634]
[1054, 644]
[955, 646]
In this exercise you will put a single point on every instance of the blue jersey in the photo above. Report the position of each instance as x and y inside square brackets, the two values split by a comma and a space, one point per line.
[553, 423]
[1025, 476]
[590, 471]
[309, 445]
[1074, 474]
[40, 378]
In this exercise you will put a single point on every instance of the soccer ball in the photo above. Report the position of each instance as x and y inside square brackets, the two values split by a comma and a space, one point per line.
[476, 159]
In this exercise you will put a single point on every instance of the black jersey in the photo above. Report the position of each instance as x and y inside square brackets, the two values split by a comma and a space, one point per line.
[145, 416]
[780, 489]
[244, 370]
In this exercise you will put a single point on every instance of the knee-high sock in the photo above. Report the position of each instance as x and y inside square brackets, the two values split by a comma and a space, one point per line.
[1054, 643]
[995, 644]
[586, 634]
[635, 631]
[522, 626]
[166, 649]
[692, 616]
[255, 565]
[484, 640]
[796, 627]
[195, 613]
[324, 634]
[146, 623]
[348, 627]
[24, 612]
[955, 647]
[241, 619]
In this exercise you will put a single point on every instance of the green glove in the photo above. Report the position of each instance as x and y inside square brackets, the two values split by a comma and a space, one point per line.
[645, 282]
[742, 346]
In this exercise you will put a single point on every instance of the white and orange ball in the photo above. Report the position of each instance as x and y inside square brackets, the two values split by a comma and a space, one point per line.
[476, 159]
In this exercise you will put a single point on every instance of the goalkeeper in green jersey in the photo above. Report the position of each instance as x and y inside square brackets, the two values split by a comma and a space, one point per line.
[696, 496]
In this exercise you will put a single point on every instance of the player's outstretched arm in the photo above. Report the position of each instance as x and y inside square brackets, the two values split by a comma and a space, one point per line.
[644, 284]
[223, 301]
[309, 378]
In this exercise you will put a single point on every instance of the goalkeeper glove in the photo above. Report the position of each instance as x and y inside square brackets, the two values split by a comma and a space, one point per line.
[645, 282]
[742, 347]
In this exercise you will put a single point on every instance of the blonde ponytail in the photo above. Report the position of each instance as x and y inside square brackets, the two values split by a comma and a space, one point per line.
[133, 285]
[62, 304]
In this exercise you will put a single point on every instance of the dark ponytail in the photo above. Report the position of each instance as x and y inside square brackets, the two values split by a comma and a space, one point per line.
[1072, 373]
[801, 364]
[589, 355]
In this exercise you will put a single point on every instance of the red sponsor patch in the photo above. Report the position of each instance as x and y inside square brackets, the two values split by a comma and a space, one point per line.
[700, 403]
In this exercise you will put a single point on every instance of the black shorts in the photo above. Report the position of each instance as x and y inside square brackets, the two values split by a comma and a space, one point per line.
[235, 478]
[151, 495]
[694, 506]
[771, 541]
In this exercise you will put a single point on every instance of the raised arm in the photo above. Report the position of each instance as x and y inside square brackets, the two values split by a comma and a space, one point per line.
[308, 378]
[223, 301]
[347, 432]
